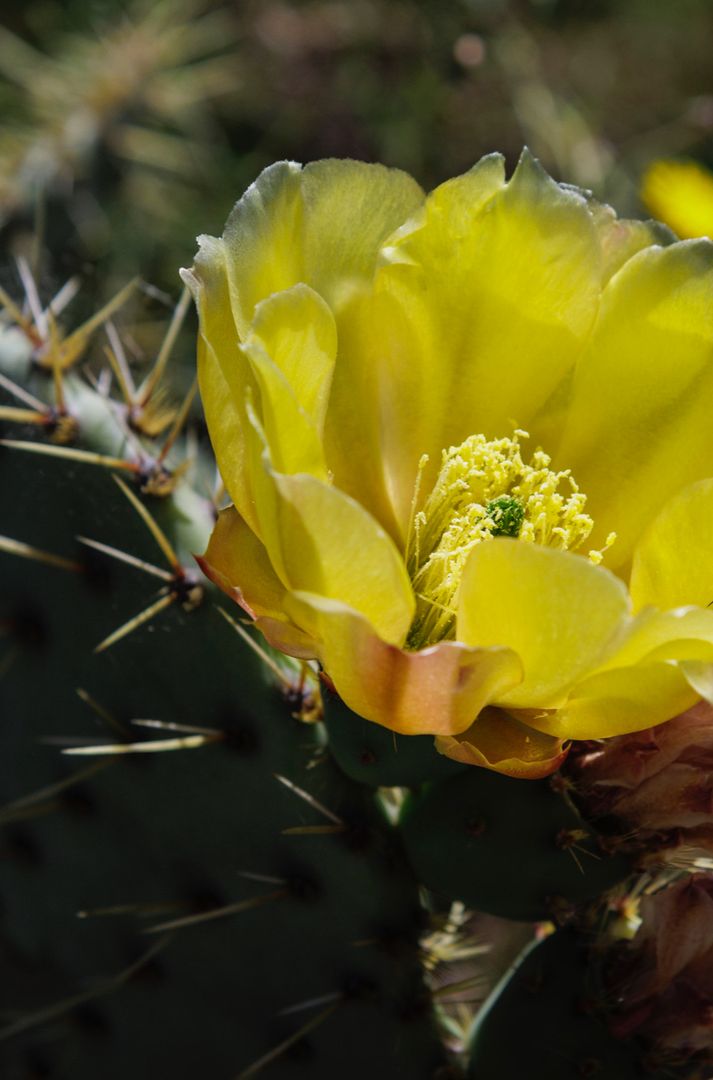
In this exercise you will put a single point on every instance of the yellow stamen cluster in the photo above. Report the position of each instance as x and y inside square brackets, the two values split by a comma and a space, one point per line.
[485, 489]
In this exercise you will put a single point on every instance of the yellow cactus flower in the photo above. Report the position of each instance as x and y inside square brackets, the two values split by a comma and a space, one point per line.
[681, 194]
[469, 445]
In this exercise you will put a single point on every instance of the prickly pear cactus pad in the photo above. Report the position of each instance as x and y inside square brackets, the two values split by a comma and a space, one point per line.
[377, 744]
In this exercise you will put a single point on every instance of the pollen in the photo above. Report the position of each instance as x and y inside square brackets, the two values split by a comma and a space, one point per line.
[485, 489]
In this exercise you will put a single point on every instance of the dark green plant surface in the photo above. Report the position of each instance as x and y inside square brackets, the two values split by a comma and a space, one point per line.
[542, 1023]
[513, 849]
[202, 878]
[324, 919]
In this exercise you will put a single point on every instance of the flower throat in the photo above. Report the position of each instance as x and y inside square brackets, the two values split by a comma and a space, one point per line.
[484, 489]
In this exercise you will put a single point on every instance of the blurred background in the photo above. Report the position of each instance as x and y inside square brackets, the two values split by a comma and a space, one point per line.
[132, 125]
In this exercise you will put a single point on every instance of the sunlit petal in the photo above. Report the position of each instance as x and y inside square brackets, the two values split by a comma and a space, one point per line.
[673, 561]
[638, 426]
[557, 611]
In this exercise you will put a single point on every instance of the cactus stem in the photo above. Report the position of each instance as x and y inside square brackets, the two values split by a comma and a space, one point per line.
[218, 913]
[7, 661]
[286, 1044]
[134, 623]
[28, 551]
[309, 799]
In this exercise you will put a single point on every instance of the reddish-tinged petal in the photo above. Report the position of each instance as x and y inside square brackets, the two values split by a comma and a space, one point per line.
[237, 562]
[498, 741]
[437, 691]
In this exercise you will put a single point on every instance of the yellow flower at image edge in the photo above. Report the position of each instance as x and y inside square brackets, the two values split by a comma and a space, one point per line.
[681, 194]
[467, 438]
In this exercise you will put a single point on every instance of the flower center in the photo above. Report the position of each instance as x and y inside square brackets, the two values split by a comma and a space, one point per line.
[484, 489]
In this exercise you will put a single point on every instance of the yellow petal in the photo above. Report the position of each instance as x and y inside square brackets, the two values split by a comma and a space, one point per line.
[438, 690]
[297, 331]
[237, 562]
[261, 255]
[622, 238]
[621, 700]
[320, 540]
[291, 347]
[500, 742]
[662, 635]
[321, 225]
[557, 611]
[681, 194]
[673, 561]
[638, 426]
[359, 419]
[488, 297]
[700, 677]
[288, 638]
[224, 375]
[645, 681]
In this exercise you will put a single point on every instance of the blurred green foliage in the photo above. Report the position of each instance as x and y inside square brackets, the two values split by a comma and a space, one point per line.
[130, 126]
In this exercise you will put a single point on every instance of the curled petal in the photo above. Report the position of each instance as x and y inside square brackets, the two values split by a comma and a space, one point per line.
[328, 544]
[498, 741]
[436, 691]
[224, 375]
[297, 331]
[321, 225]
[237, 562]
[620, 700]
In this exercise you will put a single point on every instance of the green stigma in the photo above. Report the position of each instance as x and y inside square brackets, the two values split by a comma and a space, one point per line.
[507, 515]
[484, 489]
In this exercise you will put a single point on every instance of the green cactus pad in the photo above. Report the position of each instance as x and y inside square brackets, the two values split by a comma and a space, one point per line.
[508, 847]
[540, 1023]
[372, 754]
[302, 916]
